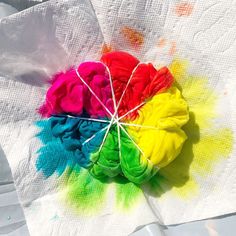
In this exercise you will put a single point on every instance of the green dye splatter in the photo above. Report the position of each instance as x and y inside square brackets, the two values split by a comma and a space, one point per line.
[85, 194]
[128, 194]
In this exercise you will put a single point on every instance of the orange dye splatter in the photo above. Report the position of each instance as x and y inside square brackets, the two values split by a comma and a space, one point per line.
[172, 50]
[106, 48]
[161, 42]
[135, 38]
[183, 9]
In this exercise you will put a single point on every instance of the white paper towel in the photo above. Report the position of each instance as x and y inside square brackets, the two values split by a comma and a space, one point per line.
[54, 35]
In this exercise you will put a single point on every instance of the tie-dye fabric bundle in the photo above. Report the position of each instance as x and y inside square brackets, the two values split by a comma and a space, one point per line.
[117, 117]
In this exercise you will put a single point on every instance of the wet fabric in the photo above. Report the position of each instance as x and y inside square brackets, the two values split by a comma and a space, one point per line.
[117, 117]
[139, 81]
[68, 93]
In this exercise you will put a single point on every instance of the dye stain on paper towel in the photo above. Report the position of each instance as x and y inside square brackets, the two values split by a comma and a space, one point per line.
[134, 37]
[183, 9]
[106, 48]
[206, 146]
[103, 122]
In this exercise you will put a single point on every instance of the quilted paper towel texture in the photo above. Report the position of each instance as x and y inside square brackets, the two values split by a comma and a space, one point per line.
[35, 44]
[55, 35]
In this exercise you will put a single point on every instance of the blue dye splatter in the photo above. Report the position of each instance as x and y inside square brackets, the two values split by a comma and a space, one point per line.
[63, 138]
